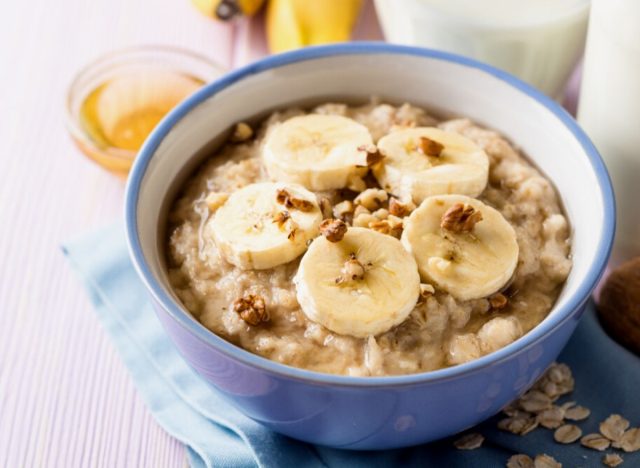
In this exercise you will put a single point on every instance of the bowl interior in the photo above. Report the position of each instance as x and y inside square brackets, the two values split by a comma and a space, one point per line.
[428, 79]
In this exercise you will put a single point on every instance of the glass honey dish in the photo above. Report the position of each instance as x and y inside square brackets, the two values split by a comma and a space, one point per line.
[116, 101]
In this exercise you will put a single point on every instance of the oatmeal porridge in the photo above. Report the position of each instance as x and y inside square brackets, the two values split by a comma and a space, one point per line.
[368, 240]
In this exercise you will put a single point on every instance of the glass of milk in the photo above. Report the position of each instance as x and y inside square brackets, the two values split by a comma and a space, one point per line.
[609, 109]
[539, 41]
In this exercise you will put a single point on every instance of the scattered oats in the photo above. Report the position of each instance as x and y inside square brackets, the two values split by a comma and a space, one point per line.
[469, 441]
[535, 401]
[546, 461]
[426, 290]
[630, 441]
[371, 198]
[567, 434]
[577, 413]
[595, 442]
[613, 427]
[559, 373]
[241, 132]
[520, 461]
[520, 425]
[551, 418]
[612, 459]
[512, 408]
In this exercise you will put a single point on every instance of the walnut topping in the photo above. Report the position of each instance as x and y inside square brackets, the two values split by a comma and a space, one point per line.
[372, 198]
[285, 198]
[252, 309]
[429, 147]
[400, 209]
[351, 271]
[498, 301]
[386, 226]
[281, 218]
[460, 218]
[242, 132]
[292, 234]
[374, 158]
[333, 229]
[343, 209]
[373, 155]
[325, 207]
[426, 291]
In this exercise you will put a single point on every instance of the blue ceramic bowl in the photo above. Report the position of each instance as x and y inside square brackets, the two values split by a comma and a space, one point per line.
[375, 412]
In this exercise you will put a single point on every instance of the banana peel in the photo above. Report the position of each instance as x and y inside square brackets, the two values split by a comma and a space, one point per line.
[291, 24]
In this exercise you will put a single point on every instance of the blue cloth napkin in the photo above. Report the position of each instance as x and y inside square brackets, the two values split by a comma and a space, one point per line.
[215, 434]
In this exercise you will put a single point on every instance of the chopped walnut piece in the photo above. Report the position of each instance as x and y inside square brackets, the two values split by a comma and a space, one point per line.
[281, 218]
[292, 234]
[427, 290]
[400, 209]
[374, 158]
[252, 309]
[285, 198]
[460, 218]
[429, 147]
[498, 301]
[333, 229]
[384, 226]
[351, 271]
[371, 199]
[343, 209]
[242, 132]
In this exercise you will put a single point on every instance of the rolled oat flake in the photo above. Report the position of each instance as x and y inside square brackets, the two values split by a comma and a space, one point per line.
[612, 459]
[469, 441]
[630, 441]
[613, 427]
[546, 461]
[520, 461]
[567, 434]
[595, 442]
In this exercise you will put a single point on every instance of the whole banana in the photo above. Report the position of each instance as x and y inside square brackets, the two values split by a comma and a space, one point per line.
[225, 10]
[297, 23]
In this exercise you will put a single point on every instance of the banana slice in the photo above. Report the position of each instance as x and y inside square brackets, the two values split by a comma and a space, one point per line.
[461, 245]
[264, 225]
[320, 152]
[425, 161]
[361, 285]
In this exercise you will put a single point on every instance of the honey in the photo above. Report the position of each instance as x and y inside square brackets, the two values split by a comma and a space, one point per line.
[118, 114]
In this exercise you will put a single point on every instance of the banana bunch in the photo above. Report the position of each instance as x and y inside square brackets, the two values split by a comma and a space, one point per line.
[297, 23]
[224, 10]
[356, 280]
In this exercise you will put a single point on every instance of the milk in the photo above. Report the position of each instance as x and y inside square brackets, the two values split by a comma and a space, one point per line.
[538, 40]
[609, 109]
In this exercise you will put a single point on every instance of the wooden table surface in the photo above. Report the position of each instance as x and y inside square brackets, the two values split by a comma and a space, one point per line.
[65, 398]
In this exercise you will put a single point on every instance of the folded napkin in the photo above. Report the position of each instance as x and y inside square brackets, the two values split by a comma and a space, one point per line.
[215, 434]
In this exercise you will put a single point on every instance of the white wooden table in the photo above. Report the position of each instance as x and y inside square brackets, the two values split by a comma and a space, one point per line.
[65, 398]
